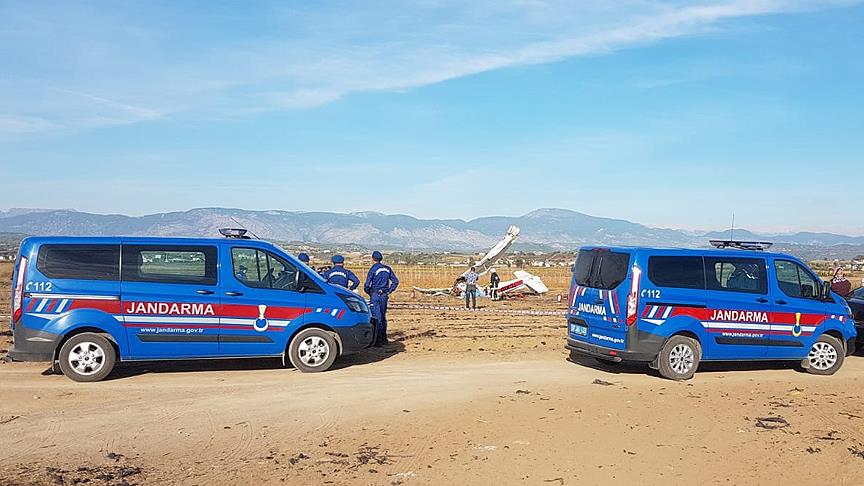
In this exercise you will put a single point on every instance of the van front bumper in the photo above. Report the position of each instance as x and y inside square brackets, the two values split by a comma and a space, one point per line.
[355, 338]
[32, 345]
[616, 355]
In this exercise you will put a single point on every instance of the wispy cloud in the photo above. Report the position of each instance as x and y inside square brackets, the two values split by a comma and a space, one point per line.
[86, 65]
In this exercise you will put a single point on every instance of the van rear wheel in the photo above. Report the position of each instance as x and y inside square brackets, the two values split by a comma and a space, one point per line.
[87, 357]
[679, 358]
[313, 350]
[826, 356]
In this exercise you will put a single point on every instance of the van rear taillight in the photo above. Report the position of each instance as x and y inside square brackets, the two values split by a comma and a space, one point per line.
[18, 296]
[633, 296]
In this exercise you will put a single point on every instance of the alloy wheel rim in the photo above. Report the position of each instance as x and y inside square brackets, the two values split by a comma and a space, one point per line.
[681, 358]
[313, 351]
[822, 356]
[86, 358]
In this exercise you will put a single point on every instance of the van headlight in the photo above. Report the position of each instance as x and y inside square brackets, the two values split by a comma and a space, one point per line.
[355, 304]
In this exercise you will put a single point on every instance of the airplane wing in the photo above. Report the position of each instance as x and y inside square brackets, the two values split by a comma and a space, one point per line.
[533, 282]
[484, 264]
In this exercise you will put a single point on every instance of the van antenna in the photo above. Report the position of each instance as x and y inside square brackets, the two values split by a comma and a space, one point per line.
[731, 229]
[244, 227]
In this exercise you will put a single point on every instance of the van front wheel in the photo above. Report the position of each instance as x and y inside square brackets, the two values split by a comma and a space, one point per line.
[313, 350]
[679, 358]
[826, 356]
[87, 357]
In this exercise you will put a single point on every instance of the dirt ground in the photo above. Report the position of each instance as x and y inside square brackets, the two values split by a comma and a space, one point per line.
[459, 398]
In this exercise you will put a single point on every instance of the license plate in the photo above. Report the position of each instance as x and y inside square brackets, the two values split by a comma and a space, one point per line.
[579, 330]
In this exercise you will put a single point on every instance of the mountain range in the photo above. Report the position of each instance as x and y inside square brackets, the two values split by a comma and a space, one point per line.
[542, 229]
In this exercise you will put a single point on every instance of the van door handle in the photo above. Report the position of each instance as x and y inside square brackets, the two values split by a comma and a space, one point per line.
[762, 300]
[234, 293]
[598, 301]
[204, 292]
[781, 302]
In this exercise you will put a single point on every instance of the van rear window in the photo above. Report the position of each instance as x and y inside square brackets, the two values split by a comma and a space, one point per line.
[582, 267]
[79, 262]
[677, 272]
[601, 269]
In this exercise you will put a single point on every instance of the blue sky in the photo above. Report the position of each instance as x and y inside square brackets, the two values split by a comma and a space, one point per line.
[671, 114]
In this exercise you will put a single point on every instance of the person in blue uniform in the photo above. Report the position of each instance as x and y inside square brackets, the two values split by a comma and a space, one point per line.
[339, 275]
[303, 257]
[380, 283]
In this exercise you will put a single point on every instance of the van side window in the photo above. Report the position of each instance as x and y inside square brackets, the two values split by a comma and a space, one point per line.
[795, 281]
[176, 264]
[736, 274]
[79, 262]
[677, 272]
[263, 270]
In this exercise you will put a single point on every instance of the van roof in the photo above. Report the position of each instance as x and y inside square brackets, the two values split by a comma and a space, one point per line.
[689, 251]
[71, 240]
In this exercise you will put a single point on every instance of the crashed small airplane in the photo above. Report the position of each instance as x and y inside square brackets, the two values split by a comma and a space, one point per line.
[524, 283]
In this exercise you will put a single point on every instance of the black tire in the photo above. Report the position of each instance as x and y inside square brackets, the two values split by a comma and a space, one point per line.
[313, 350]
[87, 357]
[826, 356]
[679, 358]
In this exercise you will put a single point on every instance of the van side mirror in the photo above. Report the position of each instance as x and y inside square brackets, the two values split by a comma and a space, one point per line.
[825, 291]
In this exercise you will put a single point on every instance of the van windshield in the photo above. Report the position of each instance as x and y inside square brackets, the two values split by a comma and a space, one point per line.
[601, 269]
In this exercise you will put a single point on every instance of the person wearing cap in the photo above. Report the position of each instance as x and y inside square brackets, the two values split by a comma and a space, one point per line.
[339, 275]
[494, 280]
[303, 257]
[380, 283]
[241, 273]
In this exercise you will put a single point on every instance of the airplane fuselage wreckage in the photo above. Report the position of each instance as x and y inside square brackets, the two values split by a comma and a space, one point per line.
[524, 283]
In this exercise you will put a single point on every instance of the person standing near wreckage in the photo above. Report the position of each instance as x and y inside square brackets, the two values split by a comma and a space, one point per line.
[380, 283]
[471, 288]
[494, 280]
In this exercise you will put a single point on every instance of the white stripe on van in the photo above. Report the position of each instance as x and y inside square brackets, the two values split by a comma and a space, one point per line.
[63, 304]
[653, 311]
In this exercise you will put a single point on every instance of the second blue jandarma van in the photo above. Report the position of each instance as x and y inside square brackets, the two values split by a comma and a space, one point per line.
[674, 308]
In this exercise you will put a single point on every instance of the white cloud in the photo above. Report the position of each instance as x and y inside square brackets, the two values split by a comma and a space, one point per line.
[74, 66]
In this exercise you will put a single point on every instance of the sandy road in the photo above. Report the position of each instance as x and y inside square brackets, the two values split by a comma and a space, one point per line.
[412, 419]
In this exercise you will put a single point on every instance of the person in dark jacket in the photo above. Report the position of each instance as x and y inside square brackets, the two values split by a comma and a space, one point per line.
[494, 280]
[380, 283]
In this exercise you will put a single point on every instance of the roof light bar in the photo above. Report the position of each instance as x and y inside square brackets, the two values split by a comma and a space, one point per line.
[741, 245]
[234, 233]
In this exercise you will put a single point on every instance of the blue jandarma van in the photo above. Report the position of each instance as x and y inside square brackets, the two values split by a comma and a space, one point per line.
[673, 308]
[84, 303]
